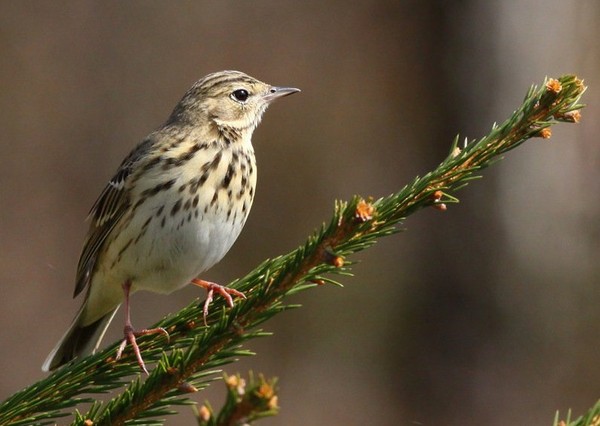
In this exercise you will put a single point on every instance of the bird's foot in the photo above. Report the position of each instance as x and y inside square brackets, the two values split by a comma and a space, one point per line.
[129, 337]
[211, 288]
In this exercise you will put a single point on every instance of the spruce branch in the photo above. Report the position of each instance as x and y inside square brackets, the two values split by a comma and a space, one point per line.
[194, 354]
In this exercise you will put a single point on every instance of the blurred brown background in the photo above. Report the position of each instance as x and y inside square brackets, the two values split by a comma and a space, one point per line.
[485, 314]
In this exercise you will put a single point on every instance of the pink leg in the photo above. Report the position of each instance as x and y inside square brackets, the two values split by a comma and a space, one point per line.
[130, 333]
[210, 287]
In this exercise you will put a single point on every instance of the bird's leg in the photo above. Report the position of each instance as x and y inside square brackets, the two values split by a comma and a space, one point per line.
[211, 288]
[130, 333]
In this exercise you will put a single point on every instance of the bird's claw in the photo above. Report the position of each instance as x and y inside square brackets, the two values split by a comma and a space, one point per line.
[129, 337]
[211, 288]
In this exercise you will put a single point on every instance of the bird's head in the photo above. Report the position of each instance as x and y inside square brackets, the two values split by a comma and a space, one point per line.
[228, 99]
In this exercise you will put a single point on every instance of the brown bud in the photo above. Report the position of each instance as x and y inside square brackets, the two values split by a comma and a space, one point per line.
[236, 383]
[338, 261]
[232, 381]
[545, 133]
[185, 387]
[333, 259]
[554, 86]
[265, 391]
[436, 197]
[364, 211]
[273, 402]
[204, 413]
[571, 116]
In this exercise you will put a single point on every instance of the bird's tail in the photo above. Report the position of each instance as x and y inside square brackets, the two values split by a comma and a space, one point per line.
[78, 340]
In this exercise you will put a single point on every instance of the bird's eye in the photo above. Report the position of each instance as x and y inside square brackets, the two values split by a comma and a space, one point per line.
[240, 95]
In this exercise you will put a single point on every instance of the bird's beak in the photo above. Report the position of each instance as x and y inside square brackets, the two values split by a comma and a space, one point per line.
[279, 92]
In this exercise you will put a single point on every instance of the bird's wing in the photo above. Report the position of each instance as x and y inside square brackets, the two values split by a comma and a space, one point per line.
[106, 212]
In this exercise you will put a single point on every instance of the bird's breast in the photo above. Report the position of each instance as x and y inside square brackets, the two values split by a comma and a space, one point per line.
[182, 230]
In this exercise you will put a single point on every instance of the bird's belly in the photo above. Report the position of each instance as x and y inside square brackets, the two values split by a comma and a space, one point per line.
[169, 257]
[180, 254]
[170, 250]
[163, 257]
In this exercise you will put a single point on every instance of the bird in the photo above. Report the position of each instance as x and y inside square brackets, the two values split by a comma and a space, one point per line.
[173, 209]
